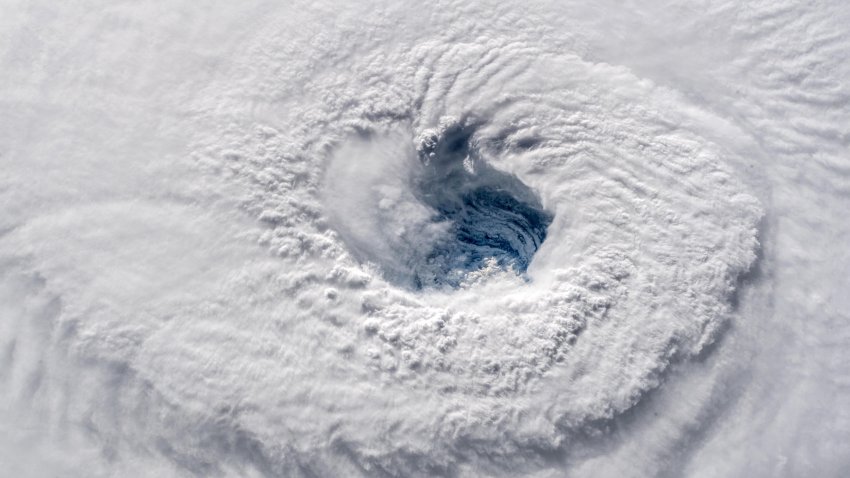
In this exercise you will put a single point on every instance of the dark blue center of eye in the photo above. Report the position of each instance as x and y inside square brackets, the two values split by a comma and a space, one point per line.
[492, 215]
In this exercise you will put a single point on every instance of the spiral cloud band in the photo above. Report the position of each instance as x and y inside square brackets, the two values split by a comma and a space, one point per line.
[384, 239]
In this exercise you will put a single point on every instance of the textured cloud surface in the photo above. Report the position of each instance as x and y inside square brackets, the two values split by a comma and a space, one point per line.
[367, 239]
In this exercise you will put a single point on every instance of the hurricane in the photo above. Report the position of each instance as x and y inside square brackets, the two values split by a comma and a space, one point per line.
[391, 239]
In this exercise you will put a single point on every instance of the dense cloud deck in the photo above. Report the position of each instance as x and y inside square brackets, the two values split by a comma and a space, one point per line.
[367, 238]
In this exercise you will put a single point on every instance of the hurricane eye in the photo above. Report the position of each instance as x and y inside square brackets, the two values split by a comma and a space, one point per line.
[493, 217]
[428, 217]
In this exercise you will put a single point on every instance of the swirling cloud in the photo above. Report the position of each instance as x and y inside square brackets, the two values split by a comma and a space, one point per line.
[351, 241]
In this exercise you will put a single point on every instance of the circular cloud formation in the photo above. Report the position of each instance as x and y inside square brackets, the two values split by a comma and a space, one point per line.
[476, 249]
[649, 233]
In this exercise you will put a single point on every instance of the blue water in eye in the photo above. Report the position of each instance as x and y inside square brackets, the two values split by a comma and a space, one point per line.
[492, 215]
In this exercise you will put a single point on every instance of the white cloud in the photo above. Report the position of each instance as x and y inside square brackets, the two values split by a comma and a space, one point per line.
[208, 213]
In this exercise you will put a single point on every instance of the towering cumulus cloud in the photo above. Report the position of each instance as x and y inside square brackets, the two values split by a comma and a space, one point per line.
[367, 239]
